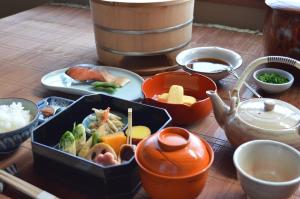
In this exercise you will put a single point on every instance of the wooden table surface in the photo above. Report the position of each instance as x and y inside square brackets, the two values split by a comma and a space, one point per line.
[49, 37]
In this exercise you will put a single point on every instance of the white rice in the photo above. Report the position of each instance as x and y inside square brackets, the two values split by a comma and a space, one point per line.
[13, 117]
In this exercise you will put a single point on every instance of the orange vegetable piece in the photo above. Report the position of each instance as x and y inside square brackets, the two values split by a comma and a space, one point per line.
[115, 140]
[105, 115]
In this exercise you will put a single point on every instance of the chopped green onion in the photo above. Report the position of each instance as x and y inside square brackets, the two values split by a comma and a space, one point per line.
[272, 77]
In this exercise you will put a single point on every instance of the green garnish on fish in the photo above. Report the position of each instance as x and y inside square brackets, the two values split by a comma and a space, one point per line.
[105, 86]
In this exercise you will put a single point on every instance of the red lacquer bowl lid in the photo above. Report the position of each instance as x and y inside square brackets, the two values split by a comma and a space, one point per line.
[174, 152]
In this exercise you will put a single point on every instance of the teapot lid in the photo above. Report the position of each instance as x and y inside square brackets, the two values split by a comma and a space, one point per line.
[269, 114]
[292, 5]
[174, 152]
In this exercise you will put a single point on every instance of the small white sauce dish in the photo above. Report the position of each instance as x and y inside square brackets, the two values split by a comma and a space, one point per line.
[267, 169]
[233, 59]
[273, 88]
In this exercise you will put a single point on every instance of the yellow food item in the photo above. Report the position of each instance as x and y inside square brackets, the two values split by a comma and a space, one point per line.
[115, 140]
[86, 148]
[163, 97]
[188, 100]
[139, 133]
[176, 96]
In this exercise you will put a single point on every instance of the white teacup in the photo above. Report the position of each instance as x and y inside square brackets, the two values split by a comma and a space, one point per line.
[267, 169]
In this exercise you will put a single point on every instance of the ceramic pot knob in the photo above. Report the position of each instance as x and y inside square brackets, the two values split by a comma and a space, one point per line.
[269, 105]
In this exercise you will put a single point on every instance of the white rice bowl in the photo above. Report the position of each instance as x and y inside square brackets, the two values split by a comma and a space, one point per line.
[13, 116]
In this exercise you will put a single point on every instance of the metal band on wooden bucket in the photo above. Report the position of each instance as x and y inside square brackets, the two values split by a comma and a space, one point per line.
[150, 53]
[143, 32]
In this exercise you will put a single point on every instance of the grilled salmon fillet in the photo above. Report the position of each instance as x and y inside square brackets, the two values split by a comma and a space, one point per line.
[95, 73]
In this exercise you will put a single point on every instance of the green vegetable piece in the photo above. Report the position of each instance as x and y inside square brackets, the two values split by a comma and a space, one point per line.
[95, 137]
[104, 84]
[273, 78]
[80, 136]
[86, 148]
[67, 143]
[105, 89]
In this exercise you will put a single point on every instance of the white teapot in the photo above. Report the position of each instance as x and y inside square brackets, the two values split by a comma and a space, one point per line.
[258, 118]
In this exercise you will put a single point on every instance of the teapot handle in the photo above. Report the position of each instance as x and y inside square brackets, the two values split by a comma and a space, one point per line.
[254, 64]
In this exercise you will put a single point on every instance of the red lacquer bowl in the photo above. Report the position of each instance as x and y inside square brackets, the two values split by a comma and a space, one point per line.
[194, 85]
[174, 163]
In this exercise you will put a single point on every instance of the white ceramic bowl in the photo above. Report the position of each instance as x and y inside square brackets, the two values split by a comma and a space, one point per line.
[267, 169]
[11, 140]
[273, 88]
[226, 55]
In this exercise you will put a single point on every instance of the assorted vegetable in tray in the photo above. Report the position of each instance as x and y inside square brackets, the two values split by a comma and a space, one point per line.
[115, 122]
[103, 141]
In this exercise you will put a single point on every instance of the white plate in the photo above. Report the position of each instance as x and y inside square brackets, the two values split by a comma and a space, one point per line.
[59, 81]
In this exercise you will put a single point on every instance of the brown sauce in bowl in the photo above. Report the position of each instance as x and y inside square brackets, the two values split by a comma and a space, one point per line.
[208, 65]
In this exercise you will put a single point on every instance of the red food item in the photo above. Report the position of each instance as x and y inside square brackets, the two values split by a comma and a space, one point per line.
[95, 73]
[105, 115]
[48, 111]
[81, 73]
[106, 159]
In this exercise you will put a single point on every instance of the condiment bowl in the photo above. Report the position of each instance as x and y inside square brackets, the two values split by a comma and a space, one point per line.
[173, 163]
[233, 60]
[11, 140]
[267, 169]
[194, 85]
[270, 87]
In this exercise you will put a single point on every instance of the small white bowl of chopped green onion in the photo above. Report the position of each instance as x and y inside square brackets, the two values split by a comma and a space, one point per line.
[273, 80]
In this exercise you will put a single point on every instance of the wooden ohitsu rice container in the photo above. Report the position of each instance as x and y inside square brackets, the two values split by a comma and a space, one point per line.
[139, 29]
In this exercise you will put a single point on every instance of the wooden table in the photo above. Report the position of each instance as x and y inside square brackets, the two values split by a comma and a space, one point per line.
[50, 37]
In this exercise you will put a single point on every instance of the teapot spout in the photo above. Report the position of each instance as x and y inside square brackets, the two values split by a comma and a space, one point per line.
[220, 109]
